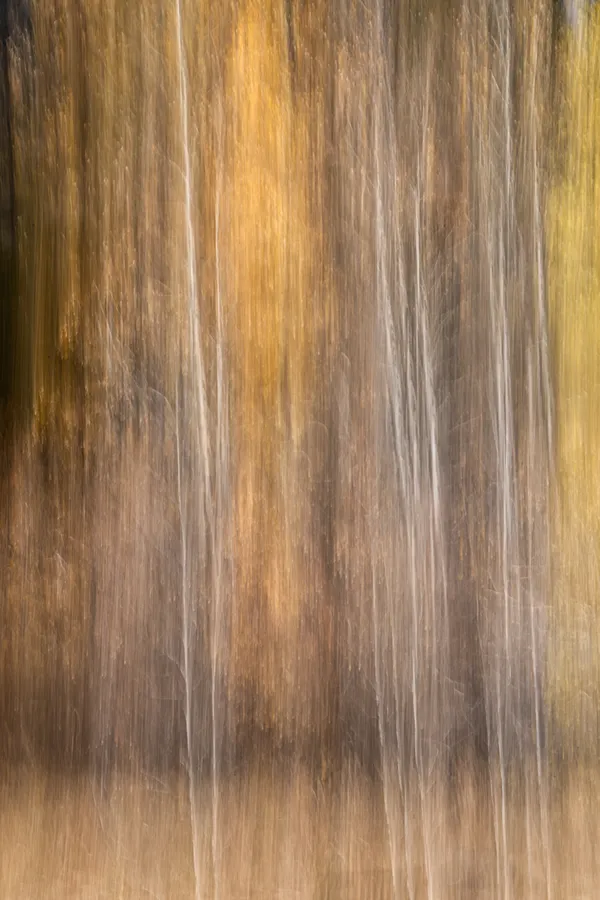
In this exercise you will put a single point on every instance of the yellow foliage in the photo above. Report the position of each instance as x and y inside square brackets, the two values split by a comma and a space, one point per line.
[273, 249]
[573, 228]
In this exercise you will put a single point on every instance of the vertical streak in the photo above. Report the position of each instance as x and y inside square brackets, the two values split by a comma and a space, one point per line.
[187, 666]
[200, 466]
[217, 535]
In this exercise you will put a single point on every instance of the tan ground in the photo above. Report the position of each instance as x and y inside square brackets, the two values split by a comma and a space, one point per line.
[290, 837]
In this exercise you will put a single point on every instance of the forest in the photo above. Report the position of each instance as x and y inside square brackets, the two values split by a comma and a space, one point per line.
[299, 413]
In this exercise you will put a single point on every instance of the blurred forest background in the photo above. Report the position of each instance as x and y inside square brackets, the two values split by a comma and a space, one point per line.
[300, 399]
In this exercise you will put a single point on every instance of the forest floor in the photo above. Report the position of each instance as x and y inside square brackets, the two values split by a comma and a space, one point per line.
[289, 836]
